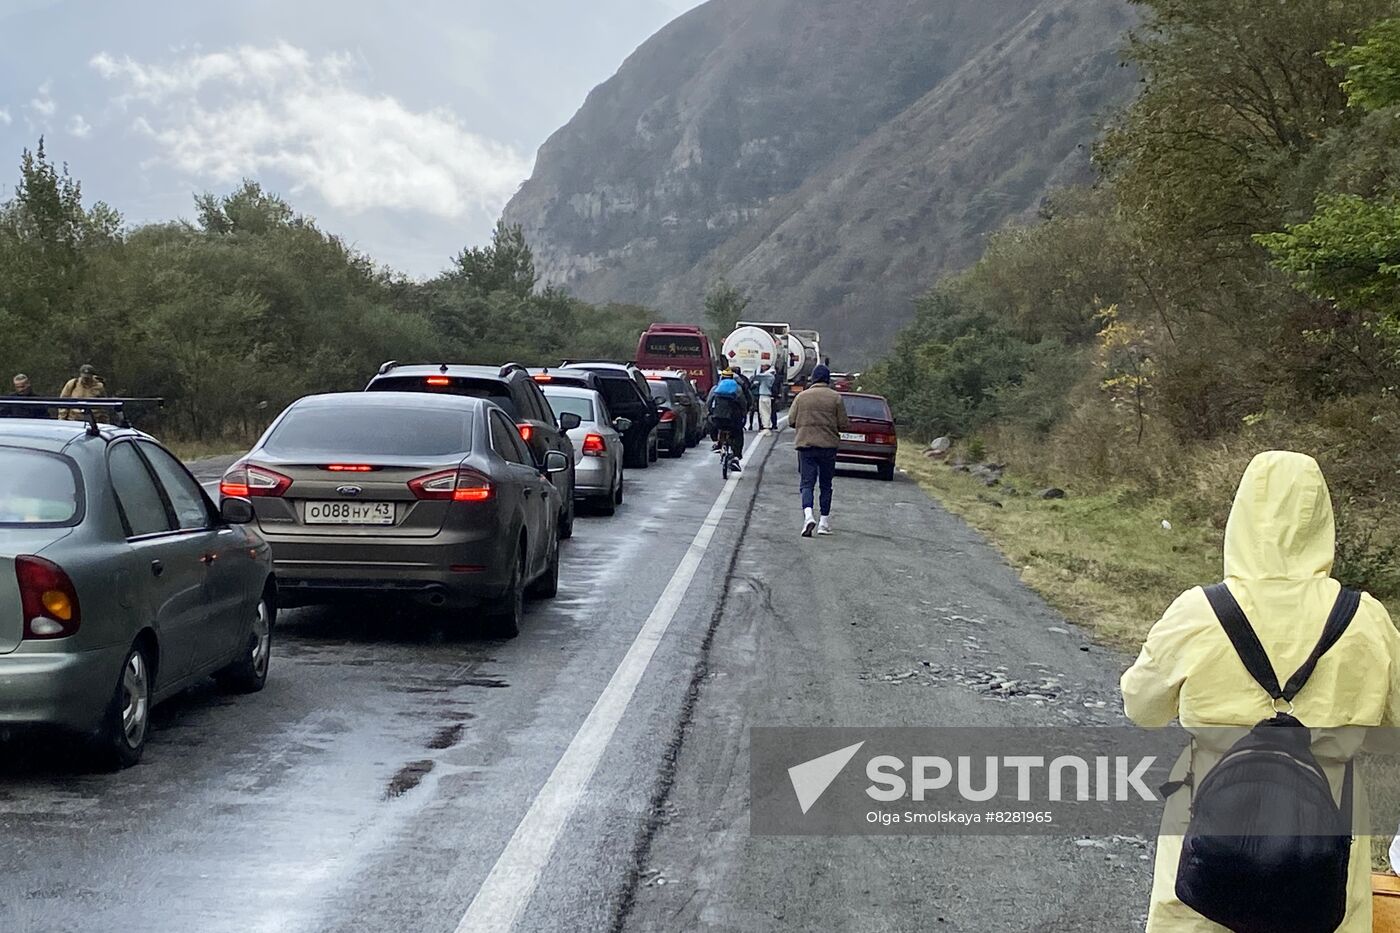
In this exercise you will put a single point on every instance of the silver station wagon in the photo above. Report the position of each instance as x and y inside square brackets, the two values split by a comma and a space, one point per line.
[120, 583]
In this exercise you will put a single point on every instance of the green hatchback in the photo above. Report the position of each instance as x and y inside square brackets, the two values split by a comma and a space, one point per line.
[120, 584]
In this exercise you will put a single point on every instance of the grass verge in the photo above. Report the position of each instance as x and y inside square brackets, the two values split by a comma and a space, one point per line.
[202, 450]
[1102, 558]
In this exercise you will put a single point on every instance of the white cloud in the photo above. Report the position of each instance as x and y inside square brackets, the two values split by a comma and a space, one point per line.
[79, 127]
[43, 103]
[226, 115]
[5, 118]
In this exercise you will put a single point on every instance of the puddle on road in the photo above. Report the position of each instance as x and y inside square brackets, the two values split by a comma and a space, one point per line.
[408, 777]
[447, 736]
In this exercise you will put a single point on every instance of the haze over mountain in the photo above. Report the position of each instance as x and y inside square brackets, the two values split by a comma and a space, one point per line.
[834, 158]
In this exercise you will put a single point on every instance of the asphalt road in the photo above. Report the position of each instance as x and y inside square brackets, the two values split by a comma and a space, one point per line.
[402, 773]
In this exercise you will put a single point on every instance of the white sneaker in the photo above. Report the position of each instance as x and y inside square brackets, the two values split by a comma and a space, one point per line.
[824, 527]
[808, 527]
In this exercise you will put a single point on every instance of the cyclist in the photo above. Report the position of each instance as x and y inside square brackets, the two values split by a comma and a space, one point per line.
[728, 407]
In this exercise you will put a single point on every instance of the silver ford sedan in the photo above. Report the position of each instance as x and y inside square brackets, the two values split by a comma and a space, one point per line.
[120, 584]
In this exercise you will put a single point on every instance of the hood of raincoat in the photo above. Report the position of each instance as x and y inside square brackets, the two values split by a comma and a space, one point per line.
[1281, 525]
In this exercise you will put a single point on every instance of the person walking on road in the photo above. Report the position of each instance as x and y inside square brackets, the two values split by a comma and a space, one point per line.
[819, 415]
[23, 389]
[763, 385]
[1279, 548]
[87, 384]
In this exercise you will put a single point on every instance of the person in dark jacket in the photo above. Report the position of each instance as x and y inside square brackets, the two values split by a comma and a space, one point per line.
[727, 410]
[23, 389]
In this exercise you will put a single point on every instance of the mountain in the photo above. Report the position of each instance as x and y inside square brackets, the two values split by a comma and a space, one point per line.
[833, 157]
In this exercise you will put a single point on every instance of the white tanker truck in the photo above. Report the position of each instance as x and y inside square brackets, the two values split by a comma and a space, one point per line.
[793, 354]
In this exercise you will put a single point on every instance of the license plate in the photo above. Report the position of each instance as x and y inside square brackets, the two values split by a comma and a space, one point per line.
[858, 438]
[349, 513]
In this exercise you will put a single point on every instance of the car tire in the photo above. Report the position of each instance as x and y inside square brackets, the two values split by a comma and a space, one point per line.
[676, 450]
[249, 673]
[617, 496]
[887, 472]
[127, 722]
[503, 620]
[636, 455]
[547, 586]
[606, 505]
[653, 451]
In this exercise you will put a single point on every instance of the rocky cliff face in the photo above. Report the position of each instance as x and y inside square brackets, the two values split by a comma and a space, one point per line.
[834, 157]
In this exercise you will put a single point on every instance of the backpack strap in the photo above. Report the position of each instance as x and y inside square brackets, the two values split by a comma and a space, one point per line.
[1343, 611]
[1251, 650]
[1243, 637]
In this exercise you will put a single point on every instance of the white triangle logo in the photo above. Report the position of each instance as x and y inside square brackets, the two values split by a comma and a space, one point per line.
[811, 778]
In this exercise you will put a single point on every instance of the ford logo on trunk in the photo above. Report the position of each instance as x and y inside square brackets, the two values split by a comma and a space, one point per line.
[349, 490]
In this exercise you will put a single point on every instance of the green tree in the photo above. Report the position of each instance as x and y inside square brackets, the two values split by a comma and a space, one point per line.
[724, 307]
[507, 265]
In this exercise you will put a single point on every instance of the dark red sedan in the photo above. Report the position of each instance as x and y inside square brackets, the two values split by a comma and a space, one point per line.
[871, 438]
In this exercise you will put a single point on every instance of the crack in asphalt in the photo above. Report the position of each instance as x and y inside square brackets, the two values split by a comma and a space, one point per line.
[660, 797]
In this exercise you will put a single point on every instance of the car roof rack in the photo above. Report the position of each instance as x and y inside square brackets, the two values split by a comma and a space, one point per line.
[388, 365]
[88, 406]
[509, 368]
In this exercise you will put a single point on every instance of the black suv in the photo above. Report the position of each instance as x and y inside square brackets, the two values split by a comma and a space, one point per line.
[628, 396]
[510, 387]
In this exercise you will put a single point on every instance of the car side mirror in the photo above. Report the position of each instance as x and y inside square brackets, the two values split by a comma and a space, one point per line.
[622, 425]
[236, 511]
[555, 462]
[568, 421]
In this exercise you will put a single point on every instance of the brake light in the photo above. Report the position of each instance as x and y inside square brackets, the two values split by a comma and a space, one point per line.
[668, 415]
[439, 381]
[594, 445]
[543, 377]
[48, 598]
[350, 468]
[243, 481]
[527, 431]
[453, 485]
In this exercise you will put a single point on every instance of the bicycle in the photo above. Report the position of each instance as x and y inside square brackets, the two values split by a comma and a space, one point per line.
[726, 453]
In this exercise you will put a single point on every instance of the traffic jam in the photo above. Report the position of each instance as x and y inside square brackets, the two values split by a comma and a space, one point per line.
[440, 488]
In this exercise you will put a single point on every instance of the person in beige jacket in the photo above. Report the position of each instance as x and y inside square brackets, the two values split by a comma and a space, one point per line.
[819, 415]
[87, 384]
[1279, 548]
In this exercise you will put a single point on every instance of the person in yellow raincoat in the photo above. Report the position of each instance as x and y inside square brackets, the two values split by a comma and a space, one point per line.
[1279, 546]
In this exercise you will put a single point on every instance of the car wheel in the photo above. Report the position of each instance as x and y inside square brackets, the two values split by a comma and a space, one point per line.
[128, 719]
[653, 451]
[887, 472]
[606, 505]
[677, 448]
[635, 454]
[249, 673]
[547, 586]
[504, 618]
[617, 496]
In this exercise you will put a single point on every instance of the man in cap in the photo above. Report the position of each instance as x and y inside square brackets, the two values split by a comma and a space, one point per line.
[87, 384]
[819, 415]
[23, 390]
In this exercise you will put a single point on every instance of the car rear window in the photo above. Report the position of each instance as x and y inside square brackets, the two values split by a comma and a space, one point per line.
[660, 391]
[620, 393]
[571, 404]
[867, 409]
[362, 431]
[472, 388]
[37, 488]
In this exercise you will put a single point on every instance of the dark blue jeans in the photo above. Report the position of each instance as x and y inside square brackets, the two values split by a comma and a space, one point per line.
[816, 465]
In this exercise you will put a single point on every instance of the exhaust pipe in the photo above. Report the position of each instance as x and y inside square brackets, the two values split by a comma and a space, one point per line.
[437, 600]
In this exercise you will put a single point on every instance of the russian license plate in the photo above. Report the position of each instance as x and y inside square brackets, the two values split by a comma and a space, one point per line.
[858, 438]
[349, 513]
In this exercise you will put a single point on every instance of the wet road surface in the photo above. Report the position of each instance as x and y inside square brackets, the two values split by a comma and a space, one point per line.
[394, 757]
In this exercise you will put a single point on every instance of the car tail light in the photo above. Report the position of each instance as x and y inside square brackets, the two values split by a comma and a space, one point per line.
[527, 431]
[668, 415]
[243, 481]
[594, 446]
[543, 377]
[350, 468]
[48, 598]
[453, 485]
[438, 381]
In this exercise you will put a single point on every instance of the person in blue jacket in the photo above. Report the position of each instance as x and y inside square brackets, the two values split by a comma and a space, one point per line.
[728, 408]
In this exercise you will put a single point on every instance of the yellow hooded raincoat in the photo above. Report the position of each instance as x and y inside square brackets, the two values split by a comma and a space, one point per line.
[1278, 559]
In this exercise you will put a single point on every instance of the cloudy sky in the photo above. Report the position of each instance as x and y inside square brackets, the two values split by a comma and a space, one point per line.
[402, 126]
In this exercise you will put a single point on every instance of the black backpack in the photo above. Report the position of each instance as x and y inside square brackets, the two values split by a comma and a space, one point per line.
[1267, 849]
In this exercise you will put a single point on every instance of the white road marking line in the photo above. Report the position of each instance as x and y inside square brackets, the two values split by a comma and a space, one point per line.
[499, 903]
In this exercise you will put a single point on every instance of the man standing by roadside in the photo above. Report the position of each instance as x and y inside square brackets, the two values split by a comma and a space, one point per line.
[23, 390]
[819, 415]
[87, 384]
[763, 384]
